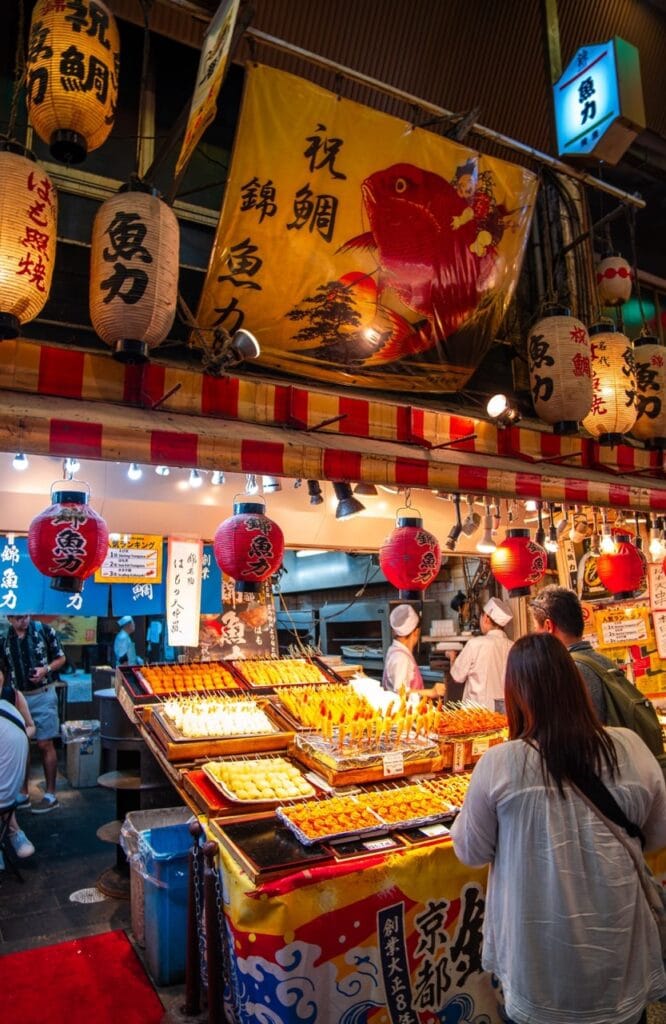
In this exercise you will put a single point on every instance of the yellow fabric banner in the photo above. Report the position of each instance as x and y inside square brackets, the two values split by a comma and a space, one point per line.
[357, 248]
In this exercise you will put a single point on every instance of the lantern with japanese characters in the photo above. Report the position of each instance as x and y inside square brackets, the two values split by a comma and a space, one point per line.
[650, 425]
[613, 411]
[68, 541]
[558, 353]
[410, 558]
[613, 281]
[249, 546]
[134, 272]
[72, 76]
[518, 562]
[623, 571]
[28, 216]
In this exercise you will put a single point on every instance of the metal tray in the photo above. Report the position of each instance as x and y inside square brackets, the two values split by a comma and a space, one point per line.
[267, 801]
[379, 829]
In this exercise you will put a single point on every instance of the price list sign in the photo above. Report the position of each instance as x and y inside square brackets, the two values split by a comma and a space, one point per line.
[183, 600]
[136, 558]
[657, 583]
[622, 627]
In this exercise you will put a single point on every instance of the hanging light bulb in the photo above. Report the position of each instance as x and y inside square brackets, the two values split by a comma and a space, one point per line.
[251, 485]
[606, 543]
[540, 536]
[162, 470]
[20, 461]
[217, 477]
[486, 544]
[656, 545]
[195, 479]
[531, 505]
[551, 540]
[134, 472]
[70, 467]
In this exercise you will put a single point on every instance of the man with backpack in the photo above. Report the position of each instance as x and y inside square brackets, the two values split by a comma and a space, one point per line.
[616, 700]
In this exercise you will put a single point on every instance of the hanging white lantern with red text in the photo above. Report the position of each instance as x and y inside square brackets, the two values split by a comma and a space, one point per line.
[68, 541]
[28, 219]
[614, 280]
[72, 75]
[248, 546]
[650, 425]
[410, 558]
[134, 272]
[558, 355]
[613, 411]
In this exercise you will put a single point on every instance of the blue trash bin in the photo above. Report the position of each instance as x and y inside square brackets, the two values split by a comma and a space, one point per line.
[165, 901]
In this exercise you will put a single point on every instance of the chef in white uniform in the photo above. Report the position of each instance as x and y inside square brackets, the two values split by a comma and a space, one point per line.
[400, 669]
[482, 662]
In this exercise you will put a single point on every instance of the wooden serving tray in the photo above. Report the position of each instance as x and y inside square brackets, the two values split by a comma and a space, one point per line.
[178, 748]
[464, 752]
[356, 776]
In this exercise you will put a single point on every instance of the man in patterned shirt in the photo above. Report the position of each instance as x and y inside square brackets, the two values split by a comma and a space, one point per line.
[33, 654]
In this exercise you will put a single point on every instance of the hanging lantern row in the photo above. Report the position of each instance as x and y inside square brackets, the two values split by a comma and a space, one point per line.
[68, 541]
[248, 546]
[410, 557]
[650, 363]
[558, 351]
[134, 272]
[613, 410]
[72, 76]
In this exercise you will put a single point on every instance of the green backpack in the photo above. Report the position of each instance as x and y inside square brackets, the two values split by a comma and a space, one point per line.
[627, 706]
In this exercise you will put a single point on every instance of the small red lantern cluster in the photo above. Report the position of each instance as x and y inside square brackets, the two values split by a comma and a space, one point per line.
[68, 541]
[518, 562]
[622, 572]
[410, 558]
[248, 546]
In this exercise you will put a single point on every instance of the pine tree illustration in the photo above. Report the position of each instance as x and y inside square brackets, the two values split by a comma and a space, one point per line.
[329, 310]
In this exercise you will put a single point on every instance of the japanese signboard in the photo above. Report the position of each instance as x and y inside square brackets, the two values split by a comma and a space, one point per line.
[657, 586]
[599, 101]
[24, 589]
[244, 627]
[659, 619]
[210, 74]
[135, 557]
[183, 591]
[623, 625]
[358, 248]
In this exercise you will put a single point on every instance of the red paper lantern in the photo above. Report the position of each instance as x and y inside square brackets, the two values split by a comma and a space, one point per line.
[518, 562]
[249, 546]
[622, 572]
[410, 558]
[68, 541]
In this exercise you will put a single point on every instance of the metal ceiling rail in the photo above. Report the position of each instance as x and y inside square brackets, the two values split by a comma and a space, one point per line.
[629, 198]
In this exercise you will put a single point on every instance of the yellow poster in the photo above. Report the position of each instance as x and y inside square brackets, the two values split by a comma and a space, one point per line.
[132, 558]
[210, 74]
[623, 625]
[79, 630]
[357, 248]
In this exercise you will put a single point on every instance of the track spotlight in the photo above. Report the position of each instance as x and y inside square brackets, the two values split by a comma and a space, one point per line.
[195, 479]
[456, 529]
[20, 462]
[162, 470]
[217, 477]
[364, 489]
[245, 346]
[502, 410]
[270, 484]
[134, 472]
[486, 545]
[314, 491]
[472, 520]
[347, 505]
[251, 485]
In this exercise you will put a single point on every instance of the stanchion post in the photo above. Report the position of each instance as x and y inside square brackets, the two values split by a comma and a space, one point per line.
[192, 963]
[215, 968]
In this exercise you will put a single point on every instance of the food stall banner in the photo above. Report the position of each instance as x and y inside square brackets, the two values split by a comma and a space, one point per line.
[133, 557]
[93, 600]
[244, 626]
[141, 598]
[211, 583]
[183, 591]
[210, 74]
[22, 586]
[357, 248]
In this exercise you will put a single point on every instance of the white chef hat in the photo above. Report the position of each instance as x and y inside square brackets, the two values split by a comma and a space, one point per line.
[125, 620]
[404, 619]
[498, 611]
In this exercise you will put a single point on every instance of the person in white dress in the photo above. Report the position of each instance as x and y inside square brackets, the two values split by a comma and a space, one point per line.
[567, 928]
[482, 662]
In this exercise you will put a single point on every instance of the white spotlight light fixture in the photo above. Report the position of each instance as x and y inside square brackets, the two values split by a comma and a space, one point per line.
[217, 477]
[502, 410]
[656, 545]
[251, 485]
[195, 478]
[270, 484]
[486, 545]
[162, 470]
[134, 472]
[20, 461]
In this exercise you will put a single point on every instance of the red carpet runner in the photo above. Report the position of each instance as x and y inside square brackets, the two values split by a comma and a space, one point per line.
[98, 979]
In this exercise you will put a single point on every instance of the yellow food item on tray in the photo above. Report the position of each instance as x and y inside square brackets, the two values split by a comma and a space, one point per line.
[450, 787]
[193, 678]
[468, 720]
[280, 672]
[260, 779]
[334, 816]
[409, 803]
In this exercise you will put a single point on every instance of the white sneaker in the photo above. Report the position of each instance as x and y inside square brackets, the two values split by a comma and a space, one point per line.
[22, 846]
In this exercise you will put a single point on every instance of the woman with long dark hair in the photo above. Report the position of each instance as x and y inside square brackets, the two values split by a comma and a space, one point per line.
[567, 928]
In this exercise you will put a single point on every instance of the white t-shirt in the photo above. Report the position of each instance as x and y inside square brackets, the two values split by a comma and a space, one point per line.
[567, 928]
[400, 669]
[14, 747]
[481, 666]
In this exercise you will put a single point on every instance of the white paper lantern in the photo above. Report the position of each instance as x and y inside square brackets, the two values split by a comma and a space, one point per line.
[28, 218]
[613, 410]
[558, 352]
[72, 76]
[134, 273]
[650, 425]
[614, 276]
